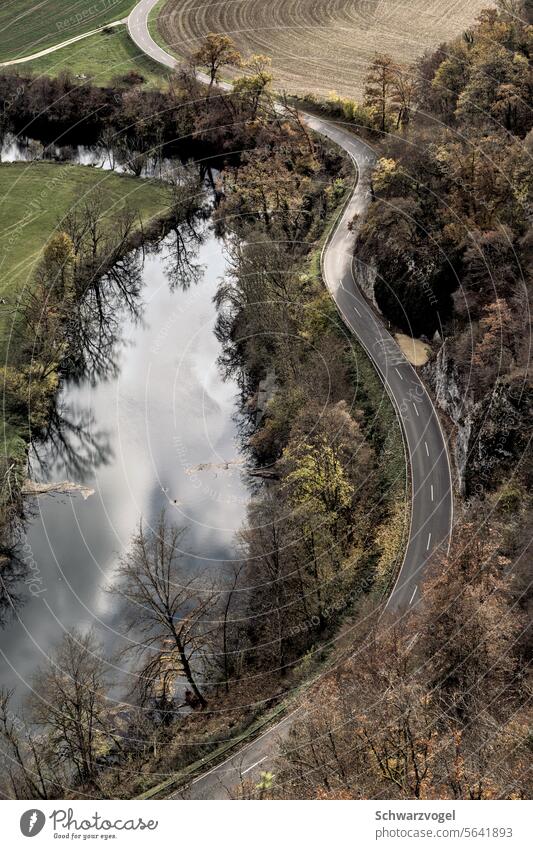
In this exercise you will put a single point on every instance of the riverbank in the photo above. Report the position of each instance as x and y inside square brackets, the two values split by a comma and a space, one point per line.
[147, 434]
[37, 197]
[270, 682]
[332, 479]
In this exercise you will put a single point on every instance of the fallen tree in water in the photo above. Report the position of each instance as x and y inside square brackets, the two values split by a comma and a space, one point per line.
[62, 487]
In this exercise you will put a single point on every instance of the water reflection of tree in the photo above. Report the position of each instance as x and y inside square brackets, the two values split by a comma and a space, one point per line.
[188, 232]
[71, 447]
[181, 254]
[13, 571]
[96, 331]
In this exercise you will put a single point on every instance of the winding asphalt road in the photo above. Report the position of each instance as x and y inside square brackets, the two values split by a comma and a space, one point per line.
[425, 443]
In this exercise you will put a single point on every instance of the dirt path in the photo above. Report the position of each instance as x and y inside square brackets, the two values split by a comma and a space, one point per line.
[59, 46]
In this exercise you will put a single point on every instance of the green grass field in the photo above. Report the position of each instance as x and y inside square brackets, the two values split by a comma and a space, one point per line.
[28, 26]
[33, 198]
[101, 58]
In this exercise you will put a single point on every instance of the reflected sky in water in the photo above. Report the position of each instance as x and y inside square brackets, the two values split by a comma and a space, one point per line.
[166, 413]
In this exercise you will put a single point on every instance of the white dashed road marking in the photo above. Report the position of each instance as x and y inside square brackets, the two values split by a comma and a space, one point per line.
[254, 765]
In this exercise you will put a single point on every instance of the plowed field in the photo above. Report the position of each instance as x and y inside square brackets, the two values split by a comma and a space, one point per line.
[318, 45]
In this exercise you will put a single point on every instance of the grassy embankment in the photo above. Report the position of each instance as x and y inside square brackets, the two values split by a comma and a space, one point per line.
[33, 198]
[100, 59]
[27, 26]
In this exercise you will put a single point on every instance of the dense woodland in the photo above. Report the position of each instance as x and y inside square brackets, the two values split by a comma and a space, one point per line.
[436, 708]
[450, 233]
[439, 707]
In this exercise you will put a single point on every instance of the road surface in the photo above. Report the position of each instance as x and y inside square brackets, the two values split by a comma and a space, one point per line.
[425, 443]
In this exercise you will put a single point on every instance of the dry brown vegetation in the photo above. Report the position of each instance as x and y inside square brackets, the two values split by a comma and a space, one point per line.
[436, 707]
[316, 46]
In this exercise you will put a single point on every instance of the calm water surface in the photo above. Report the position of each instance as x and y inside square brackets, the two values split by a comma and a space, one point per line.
[142, 436]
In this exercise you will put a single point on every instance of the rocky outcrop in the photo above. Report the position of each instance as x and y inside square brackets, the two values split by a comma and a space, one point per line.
[442, 375]
[365, 274]
[500, 443]
[490, 435]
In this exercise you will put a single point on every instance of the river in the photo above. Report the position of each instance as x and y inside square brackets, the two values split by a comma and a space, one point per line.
[160, 433]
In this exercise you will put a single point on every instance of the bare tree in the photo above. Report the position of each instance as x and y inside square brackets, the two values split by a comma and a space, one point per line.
[404, 93]
[27, 774]
[108, 143]
[131, 155]
[69, 703]
[167, 609]
[227, 621]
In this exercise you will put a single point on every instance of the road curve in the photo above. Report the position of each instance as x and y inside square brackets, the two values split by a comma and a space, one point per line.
[425, 443]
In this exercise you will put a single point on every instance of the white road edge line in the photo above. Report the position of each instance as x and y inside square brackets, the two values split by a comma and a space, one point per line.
[254, 765]
[245, 748]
